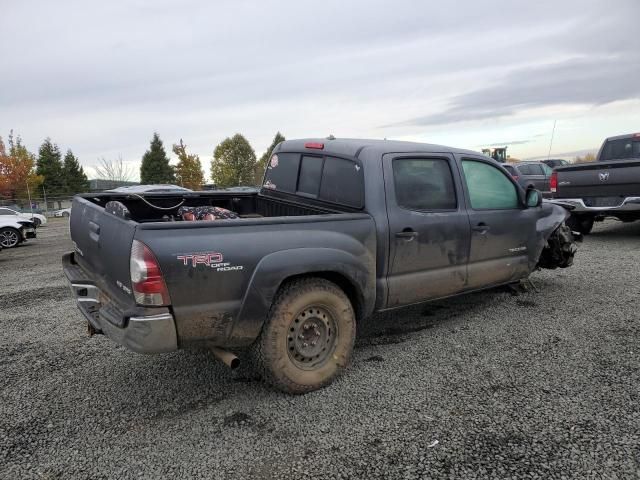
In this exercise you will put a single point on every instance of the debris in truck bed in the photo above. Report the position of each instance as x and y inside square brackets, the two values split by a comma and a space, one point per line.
[205, 213]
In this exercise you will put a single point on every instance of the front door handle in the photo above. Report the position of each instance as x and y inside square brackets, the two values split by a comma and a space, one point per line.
[407, 234]
[481, 227]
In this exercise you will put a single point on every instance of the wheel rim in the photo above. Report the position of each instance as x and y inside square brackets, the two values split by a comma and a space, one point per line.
[8, 238]
[312, 337]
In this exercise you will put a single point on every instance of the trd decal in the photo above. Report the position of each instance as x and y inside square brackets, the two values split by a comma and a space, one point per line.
[212, 260]
[201, 259]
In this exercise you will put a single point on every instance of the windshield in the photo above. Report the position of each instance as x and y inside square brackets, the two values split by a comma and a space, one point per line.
[621, 149]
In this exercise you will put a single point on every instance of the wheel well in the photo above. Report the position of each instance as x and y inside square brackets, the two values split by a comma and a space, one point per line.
[341, 281]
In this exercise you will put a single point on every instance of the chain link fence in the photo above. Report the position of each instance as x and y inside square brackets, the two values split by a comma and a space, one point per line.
[37, 204]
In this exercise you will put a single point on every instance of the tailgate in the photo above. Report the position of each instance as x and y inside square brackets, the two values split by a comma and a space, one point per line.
[102, 243]
[599, 179]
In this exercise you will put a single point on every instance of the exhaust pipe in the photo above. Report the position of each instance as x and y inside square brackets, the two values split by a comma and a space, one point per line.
[226, 357]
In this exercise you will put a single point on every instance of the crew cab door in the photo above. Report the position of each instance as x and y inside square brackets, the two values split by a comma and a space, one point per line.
[428, 227]
[502, 229]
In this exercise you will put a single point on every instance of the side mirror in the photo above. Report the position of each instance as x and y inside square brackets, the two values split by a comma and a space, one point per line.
[533, 198]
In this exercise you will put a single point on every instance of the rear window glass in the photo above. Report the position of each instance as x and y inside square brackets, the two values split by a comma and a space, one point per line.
[282, 172]
[342, 182]
[331, 179]
[621, 149]
[310, 174]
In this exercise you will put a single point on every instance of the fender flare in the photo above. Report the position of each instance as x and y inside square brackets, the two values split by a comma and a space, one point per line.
[277, 267]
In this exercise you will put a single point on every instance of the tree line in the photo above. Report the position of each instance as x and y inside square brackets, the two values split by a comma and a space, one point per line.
[234, 163]
[22, 172]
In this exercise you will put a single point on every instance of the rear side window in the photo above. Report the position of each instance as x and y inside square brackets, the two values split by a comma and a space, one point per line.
[424, 184]
[489, 188]
[524, 169]
[535, 169]
[342, 182]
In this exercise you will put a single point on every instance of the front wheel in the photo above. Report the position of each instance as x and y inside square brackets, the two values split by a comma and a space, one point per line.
[9, 237]
[308, 338]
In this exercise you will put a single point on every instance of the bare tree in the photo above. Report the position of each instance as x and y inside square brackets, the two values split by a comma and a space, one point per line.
[114, 170]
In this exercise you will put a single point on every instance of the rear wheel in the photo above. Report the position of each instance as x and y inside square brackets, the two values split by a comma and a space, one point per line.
[308, 338]
[9, 237]
[65, 214]
[36, 221]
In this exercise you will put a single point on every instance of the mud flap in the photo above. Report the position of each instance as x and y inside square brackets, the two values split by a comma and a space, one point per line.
[559, 250]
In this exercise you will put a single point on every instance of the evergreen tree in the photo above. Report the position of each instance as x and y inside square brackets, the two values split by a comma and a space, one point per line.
[261, 166]
[234, 162]
[155, 166]
[189, 172]
[74, 178]
[49, 165]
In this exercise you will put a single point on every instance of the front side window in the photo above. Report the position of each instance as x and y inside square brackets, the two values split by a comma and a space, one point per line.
[424, 184]
[489, 188]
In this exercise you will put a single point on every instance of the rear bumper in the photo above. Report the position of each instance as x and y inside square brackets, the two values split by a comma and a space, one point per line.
[142, 333]
[629, 204]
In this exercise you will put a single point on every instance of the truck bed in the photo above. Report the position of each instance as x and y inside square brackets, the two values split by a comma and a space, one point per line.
[163, 207]
[224, 300]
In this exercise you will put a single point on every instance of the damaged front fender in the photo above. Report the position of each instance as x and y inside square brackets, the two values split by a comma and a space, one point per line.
[559, 246]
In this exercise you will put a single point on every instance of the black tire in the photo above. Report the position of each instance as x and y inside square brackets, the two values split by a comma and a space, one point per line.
[36, 222]
[9, 237]
[560, 249]
[584, 225]
[65, 214]
[308, 338]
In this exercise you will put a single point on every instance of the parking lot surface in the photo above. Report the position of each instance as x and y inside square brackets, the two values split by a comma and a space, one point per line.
[544, 384]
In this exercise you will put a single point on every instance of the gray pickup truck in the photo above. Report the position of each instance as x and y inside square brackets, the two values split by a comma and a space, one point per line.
[609, 187]
[340, 229]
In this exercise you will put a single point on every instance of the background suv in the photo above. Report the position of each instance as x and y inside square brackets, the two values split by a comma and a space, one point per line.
[535, 174]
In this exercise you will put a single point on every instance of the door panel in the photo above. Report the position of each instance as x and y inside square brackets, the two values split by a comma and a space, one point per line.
[502, 231]
[428, 228]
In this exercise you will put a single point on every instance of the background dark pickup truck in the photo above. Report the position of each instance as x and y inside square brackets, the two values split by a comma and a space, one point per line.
[340, 229]
[609, 187]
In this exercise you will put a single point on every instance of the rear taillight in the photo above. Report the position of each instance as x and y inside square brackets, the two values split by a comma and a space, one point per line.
[553, 182]
[148, 284]
[515, 177]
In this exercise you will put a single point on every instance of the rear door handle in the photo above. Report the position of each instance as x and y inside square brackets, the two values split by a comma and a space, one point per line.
[481, 227]
[407, 234]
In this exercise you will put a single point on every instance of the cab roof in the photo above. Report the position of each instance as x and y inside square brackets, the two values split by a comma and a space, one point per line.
[352, 147]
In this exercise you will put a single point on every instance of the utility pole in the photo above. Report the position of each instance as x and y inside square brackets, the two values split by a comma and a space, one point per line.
[29, 196]
[551, 142]
[46, 205]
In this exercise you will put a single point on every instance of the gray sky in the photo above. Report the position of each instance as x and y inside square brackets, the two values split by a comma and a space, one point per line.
[100, 77]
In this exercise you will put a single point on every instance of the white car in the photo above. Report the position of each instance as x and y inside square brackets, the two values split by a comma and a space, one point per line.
[14, 230]
[65, 212]
[36, 217]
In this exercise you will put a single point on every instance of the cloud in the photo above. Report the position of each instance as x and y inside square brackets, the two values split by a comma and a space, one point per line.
[503, 144]
[594, 80]
[101, 77]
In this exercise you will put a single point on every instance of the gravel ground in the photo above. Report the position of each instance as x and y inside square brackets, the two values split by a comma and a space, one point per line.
[494, 385]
